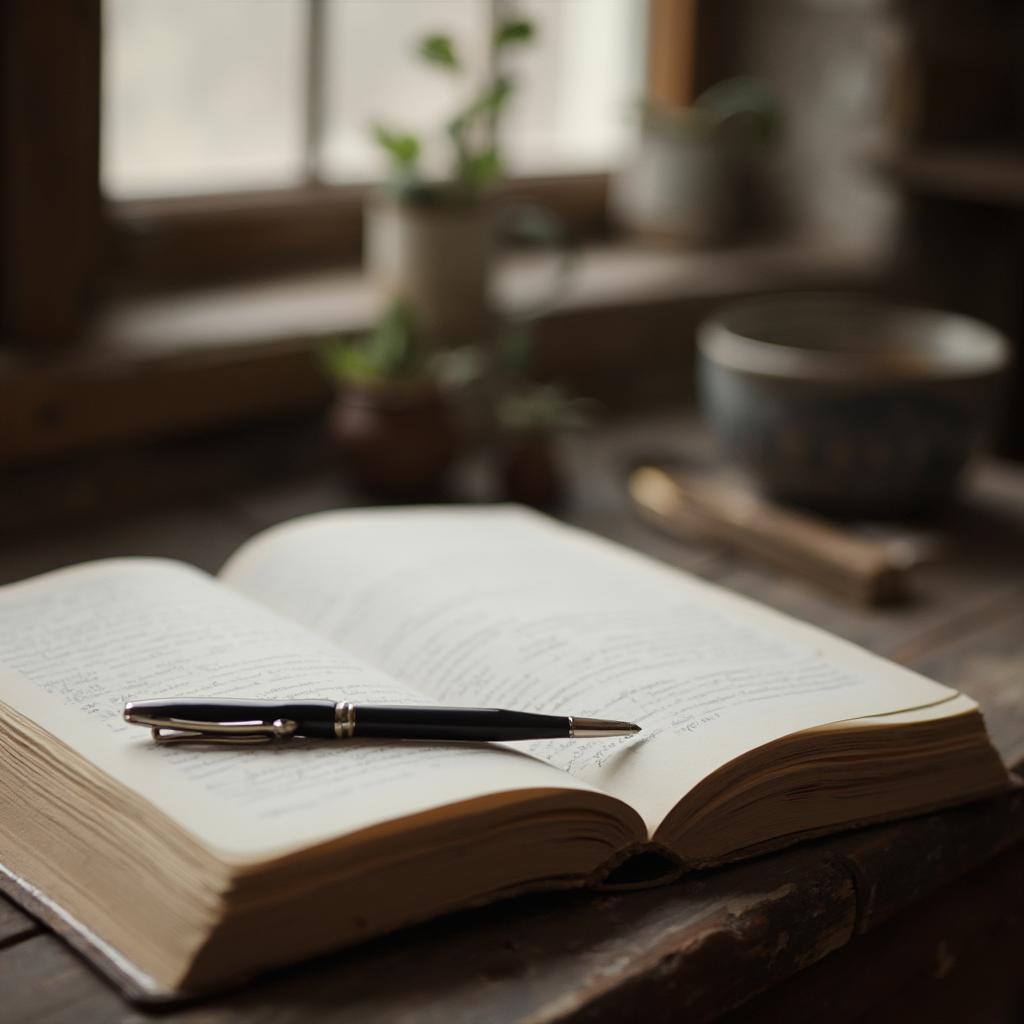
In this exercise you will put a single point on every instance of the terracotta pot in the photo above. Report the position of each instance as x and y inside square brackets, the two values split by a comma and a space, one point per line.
[530, 472]
[394, 438]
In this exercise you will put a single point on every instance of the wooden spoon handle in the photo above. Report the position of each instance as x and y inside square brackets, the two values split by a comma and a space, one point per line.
[866, 570]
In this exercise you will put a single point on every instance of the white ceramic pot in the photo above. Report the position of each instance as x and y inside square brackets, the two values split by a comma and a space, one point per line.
[438, 257]
[678, 185]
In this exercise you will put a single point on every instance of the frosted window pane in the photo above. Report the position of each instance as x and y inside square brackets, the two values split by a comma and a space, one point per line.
[202, 95]
[578, 88]
[374, 74]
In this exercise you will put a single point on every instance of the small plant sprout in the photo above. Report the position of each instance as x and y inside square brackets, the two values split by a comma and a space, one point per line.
[742, 113]
[391, 351]
[472, 131]
[544, 409]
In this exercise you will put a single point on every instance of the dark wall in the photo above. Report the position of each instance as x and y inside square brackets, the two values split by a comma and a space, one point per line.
[832, 66]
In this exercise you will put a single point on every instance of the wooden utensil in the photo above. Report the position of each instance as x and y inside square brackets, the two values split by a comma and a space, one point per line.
[867, 570]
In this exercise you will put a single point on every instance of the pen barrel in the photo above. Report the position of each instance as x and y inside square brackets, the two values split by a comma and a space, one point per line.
[419, 723]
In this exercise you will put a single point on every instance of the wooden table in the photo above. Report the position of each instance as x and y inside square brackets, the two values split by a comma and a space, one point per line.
[923, 917]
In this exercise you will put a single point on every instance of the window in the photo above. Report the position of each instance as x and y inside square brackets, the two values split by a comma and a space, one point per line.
[191, 193]
[208, 96]
[201, 96]
[234, 143]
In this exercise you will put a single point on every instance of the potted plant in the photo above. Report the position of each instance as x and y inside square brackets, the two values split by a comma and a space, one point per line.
[389, 427]
[430, 242]
[684, 179]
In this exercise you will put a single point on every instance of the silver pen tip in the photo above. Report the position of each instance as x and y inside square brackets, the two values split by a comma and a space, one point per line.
[592, 727]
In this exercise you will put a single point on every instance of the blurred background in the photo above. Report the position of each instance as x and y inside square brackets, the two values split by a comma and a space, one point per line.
[265, 258]
[198, 196]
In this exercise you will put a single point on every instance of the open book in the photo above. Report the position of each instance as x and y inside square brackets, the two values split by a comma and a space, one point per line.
[181, 869]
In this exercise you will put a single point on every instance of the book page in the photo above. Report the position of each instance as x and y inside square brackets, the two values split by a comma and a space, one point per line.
[504, 607]
[79, 642]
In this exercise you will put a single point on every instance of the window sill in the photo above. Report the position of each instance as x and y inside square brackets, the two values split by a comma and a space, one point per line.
[154, 367]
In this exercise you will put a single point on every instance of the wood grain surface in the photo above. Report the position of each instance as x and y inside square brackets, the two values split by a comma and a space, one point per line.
[825, 928]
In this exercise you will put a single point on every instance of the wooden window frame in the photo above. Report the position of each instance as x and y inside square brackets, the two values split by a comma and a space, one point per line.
[154, 244]
[50, 221]
[183, 241]
[672, 29]
[72, 265]
[62, 245]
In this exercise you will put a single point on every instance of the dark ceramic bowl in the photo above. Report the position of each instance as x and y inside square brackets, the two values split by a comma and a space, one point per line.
[848, 404]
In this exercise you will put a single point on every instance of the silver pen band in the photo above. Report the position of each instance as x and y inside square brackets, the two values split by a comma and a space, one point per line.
[344, 720]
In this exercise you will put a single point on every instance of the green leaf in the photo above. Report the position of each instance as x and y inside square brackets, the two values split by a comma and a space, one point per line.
[517, 31]
[494, 98]
[440, 50]
[490, 102]
[391, 346]
[392, 351]
[482, 168]
[474, 169]
[403, 148]
[544, 408]
[745, 111]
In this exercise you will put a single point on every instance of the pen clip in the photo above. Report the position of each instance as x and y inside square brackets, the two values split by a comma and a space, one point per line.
[183, 730]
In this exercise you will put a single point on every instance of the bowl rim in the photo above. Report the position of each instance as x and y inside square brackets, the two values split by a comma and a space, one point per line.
[727, 347]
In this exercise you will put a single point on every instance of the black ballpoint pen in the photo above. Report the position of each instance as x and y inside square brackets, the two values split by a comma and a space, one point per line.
[179, 720]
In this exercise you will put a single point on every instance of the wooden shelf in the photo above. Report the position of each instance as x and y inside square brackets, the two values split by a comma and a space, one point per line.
[197, 359]
[974, 175]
